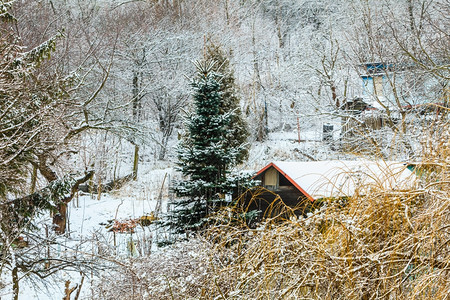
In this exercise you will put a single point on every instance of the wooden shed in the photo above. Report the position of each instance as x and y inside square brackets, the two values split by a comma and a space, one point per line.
[301, 183]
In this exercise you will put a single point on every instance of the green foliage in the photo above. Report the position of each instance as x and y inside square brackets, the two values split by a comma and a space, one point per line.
[5, 16]
[18, 216]
[205, 157]
[19, 213]
[237, 128]
[35, 56]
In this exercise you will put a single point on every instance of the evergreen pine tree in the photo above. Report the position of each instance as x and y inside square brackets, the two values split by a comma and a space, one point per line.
[204, 155]
[237, 129]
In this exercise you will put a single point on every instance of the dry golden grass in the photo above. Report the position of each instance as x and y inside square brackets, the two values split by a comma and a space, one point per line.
[387, 244]
[381, 246]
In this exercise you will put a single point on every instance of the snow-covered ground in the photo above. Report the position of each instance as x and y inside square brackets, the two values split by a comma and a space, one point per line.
[89, 217]
[90, 214]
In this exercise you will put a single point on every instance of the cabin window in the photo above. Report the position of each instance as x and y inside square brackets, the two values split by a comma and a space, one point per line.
[271, 179]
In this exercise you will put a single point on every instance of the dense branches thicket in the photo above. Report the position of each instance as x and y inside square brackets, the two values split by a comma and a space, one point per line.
[93, 91]
[30, 108]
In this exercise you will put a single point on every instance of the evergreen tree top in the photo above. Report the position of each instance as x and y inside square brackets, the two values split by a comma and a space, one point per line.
[216, 58]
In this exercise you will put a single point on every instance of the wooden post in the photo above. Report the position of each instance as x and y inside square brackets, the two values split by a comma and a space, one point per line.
[135, 162]
[227, 14]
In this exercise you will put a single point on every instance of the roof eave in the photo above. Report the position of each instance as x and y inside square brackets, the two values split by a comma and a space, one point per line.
[287, 177]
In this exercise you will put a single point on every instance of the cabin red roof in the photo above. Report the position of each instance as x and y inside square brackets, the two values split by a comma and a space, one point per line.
[323, 179]
[287, 177]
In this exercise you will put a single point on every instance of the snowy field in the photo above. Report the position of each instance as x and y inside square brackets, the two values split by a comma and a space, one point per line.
[91, 216]
[90, 235]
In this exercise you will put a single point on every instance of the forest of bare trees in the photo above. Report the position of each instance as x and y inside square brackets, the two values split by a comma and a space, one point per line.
[91, 90]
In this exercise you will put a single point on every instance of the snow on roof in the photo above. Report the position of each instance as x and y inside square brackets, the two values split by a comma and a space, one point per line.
[343, 178]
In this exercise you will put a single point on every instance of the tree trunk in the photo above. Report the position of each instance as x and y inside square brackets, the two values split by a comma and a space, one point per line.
[45, 170]
[60, 218]
[135, 162]
[227, 14]
[255, 59]
[334, 96]
[136, 114]
[15, 280]
[263, 125]
[162, 151]
[278, 25]
[411, 16]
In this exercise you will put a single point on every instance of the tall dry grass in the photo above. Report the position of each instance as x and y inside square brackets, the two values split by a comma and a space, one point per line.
[382, 244]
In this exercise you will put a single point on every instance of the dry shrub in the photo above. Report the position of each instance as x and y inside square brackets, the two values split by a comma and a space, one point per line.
[175, 272]
[385, 245]
[382, 244]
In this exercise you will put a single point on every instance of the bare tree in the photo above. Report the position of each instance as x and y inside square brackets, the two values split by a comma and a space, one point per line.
[402, 69]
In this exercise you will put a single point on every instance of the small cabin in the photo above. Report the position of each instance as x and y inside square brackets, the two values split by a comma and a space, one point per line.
[299, 184]
[274, 179]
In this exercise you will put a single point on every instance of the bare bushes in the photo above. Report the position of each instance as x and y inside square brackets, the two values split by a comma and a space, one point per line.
[382, 244]
[389, 245]
[174, 273]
